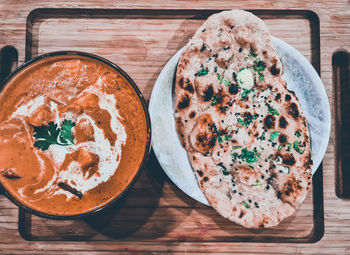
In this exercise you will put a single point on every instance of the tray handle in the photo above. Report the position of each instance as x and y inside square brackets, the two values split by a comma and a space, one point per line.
[341, 83]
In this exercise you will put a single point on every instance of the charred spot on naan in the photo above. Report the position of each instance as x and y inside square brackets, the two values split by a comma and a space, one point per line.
[269, 122]
[287, 159]
[184, 101]
[186, 85]
[204, 87]
[200, 173]
[265, 53]
[241, 214]
[182, 64]
[291, 189]
[202, 179]
[278, 97]
[192, 114]
[203, 138]
[274, 69]
[283, 139]
[282, 122]
[233, 89]
[222, 104]
[180, 129]
[293, 110]
[308, 161]
[208, 92]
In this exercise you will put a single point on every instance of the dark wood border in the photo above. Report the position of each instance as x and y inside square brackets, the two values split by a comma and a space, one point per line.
[76, 13]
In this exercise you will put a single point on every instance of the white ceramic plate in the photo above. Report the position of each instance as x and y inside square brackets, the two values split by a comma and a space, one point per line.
[301, 78]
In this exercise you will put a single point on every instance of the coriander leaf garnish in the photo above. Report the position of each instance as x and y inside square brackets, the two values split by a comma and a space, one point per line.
[229, 195]
[249, 156]
[252, 54]
[245, 93]
[289, 146]
[215, 99]
[262, 137]
[66, 131]
[222, 80]
[219, 77]
[273, 111]
[296, 147]
[259, 67]
[297, 134]
[274, 135]
[47, 135]
[227, 137]
[240, 121]
[280, 147]
[219, 139]
[270, 156]
[202, 72]
[223, 138]
[261, 77]
[236, 147]
[245, 204]
[248, 118]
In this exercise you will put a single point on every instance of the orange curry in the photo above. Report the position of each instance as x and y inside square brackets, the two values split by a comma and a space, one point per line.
[73, 134]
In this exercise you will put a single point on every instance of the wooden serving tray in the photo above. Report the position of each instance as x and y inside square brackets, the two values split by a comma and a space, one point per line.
[141, 42]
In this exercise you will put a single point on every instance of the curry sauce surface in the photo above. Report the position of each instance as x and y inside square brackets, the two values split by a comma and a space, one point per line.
[110, 134]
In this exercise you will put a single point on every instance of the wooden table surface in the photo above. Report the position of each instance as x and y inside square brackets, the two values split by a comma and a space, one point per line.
[334, 35]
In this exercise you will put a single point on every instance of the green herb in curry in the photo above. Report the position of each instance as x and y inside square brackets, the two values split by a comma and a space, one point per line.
[47, 135]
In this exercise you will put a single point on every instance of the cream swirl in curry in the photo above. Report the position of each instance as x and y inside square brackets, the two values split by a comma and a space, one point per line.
[74, 133]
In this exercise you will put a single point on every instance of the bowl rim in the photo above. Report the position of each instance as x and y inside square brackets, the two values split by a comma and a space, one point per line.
[148, 127]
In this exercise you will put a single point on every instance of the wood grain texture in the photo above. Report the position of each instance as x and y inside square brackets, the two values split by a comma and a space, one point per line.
[165, 202]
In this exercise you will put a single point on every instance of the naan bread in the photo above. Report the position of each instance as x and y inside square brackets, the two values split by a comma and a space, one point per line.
[244, 132]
